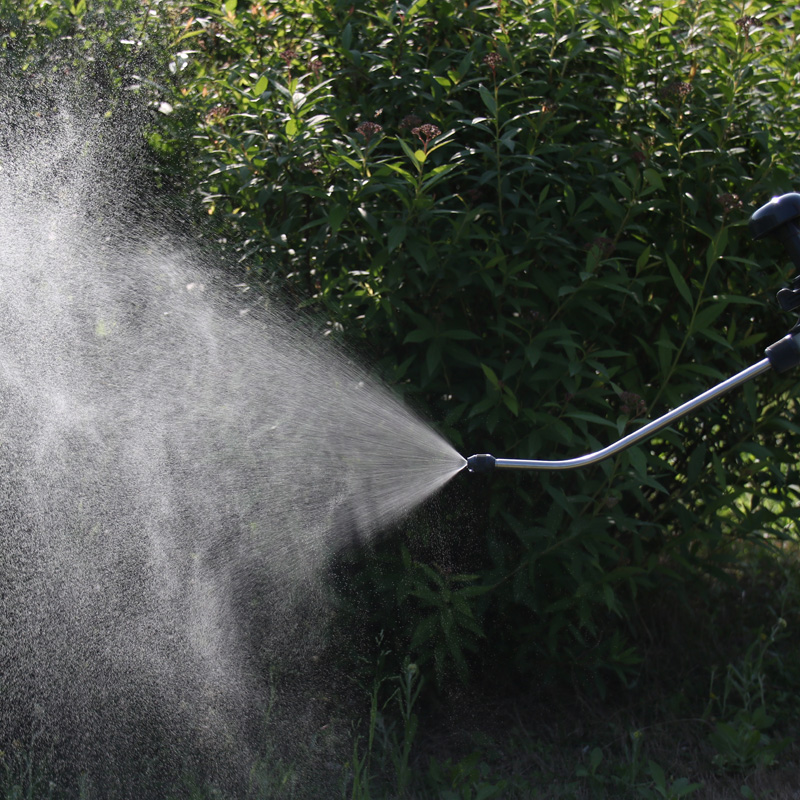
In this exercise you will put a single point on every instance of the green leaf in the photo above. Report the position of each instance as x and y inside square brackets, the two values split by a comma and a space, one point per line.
[680, 282]
[612, 208]
[653, 178]
[419, 335]
[491, 375]
[642, 260]
[621, 187]
[510, 401]
[638, 460]
[717, 247]
[465, 64]
[683, 788]
[460, 335]
[424, 631]
[434, 355]
[488, 100]
[657, 774]
[400, 171]
[336, 216]
[708, 315]
[609, 597]
[696, 464]
[719, 471]
[261, 86]
[437, 175]
[396, 236]
[411, 155]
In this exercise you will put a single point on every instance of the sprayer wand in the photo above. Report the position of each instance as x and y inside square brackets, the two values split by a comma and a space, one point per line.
[778, 218]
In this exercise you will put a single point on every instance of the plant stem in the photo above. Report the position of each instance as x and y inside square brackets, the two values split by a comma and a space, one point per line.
[497, 154]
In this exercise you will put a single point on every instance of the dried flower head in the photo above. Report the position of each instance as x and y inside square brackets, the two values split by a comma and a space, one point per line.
[425, 133]
[632, 403]
[605, 245]
[409, 121]
[676, 90]
[729, 201]
[473, 196]
[745, 23]
[315, 65]
[288, 56]
[368, 130]
[493, 61]
[312, 165]
[217, 114]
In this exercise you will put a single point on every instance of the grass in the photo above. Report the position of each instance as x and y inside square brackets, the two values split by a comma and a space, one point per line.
[713, 715]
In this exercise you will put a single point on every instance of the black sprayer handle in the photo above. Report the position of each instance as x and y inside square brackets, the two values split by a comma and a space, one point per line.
[781, 218]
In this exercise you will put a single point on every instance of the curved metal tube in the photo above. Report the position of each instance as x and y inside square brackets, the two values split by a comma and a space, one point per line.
[645, 431]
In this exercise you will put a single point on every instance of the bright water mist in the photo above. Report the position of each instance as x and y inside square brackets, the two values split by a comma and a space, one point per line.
[172, 457]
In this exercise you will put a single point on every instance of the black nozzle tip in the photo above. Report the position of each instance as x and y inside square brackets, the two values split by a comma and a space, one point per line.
[481, 463]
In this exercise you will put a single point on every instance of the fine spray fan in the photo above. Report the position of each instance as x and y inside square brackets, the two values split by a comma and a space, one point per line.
[779, 218]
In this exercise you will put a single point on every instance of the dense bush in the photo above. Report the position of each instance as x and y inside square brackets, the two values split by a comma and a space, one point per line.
[534, 214]
[532, 217]
[107, 48]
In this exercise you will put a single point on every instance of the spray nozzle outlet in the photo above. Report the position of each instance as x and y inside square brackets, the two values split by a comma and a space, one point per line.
[482, 462]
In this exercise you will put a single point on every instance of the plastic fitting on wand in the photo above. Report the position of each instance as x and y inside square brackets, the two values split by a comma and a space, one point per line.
[482, 462]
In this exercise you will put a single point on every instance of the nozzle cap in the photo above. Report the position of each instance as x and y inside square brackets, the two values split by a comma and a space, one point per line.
[482, 462]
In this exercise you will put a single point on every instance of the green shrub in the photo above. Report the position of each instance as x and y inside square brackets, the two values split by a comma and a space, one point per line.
[531, 217]
[534, 215]
[112, 45]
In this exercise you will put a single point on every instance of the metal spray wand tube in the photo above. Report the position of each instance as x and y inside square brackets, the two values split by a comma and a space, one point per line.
[780, 356]
[779, 217]
[645, 432]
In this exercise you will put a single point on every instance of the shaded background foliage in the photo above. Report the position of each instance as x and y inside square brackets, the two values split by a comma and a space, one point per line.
[532, 217]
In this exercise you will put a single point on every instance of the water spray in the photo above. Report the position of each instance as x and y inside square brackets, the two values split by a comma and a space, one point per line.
[779, 217]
